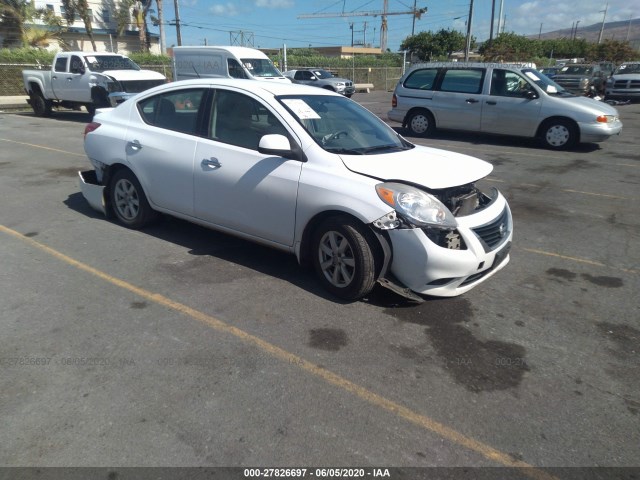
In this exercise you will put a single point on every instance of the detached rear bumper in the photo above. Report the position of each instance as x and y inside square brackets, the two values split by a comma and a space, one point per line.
[92, 191]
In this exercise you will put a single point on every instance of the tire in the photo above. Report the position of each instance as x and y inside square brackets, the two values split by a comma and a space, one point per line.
[559, 134]
[344, 257]
[41, 106]
[128, 201]
[421, 123]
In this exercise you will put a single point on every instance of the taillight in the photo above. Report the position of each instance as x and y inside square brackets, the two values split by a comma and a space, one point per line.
[394, 101]
[90, 128]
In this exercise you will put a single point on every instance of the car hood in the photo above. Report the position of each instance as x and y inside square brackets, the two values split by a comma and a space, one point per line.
[591, 105]
[430, 167]
[338, 79]
[133, 75]
[572, 75]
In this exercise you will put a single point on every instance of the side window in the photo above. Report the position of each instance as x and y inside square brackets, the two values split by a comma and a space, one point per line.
[177, 111]
[299, 75]
[242, 121]
[505, 83]
[462, 80]
[76, 65]
[422, 79]
[235, 69]
[61, 64]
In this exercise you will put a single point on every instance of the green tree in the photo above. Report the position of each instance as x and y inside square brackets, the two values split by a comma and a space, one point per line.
[429, 45]
[81, 9]
[18, 24]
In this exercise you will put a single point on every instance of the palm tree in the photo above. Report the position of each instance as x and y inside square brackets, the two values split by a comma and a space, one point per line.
[17, 22]
[81, 8]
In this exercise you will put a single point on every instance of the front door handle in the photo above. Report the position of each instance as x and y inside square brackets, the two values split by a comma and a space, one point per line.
[135, 145]
[471, 100]
[211, 162]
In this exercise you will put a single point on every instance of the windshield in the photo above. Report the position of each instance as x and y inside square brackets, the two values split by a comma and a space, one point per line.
[628, 68]
[322, 74]
[260, 67]
[100, 63]
[544, 82]
[339, 125]
[576, 70]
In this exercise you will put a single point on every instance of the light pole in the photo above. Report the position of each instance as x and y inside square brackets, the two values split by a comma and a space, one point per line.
[603, 19]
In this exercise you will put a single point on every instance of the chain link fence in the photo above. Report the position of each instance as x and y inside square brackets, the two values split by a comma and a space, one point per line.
[382, 78]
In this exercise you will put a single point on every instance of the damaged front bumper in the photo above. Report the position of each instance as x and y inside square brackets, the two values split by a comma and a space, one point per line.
[92, 191]
[430, 269]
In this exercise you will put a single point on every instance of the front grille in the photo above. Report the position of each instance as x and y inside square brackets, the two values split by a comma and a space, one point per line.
[494, 233]
[626, 84]
[137, 86]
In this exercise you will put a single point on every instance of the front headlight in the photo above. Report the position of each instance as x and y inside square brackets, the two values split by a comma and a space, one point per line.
[584, 82]
[419, 208]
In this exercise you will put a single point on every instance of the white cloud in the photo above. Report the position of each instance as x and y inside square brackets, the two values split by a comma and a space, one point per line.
[224, 10]
[274, 3]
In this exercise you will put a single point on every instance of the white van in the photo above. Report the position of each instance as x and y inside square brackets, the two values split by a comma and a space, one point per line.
[231, 62]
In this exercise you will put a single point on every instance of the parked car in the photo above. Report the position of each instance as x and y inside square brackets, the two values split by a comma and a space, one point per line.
[625, 82]
[306, 171]
[580, 78]
[499, 99]
[230, 62]
[318, 77]
[89, 79]
[550, 72]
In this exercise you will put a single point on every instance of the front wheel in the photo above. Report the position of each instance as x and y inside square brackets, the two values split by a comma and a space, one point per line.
[128, 200]
[344, 257]
[559, 134]
[421, 123]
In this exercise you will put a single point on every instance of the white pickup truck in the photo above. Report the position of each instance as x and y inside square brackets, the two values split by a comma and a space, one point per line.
[89, 79]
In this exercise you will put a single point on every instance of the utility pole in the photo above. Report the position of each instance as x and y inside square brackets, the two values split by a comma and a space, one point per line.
[500, 16]
[468, 45]
[540, 32]
[575, 35]
[493, 14]
[602, 27]
[178, 36]
[413, 25]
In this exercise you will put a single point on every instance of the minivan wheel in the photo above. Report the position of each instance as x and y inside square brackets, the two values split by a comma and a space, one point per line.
[421, 123]
[559, 134]
[344, 258]
[128, 200]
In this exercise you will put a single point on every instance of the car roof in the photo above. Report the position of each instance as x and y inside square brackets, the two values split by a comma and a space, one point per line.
[257, 86]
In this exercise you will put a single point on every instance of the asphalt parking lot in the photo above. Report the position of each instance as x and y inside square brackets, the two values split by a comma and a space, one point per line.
[179, 346]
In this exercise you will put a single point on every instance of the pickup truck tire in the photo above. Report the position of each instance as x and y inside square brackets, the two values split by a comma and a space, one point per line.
[41, 106]
[128, 201]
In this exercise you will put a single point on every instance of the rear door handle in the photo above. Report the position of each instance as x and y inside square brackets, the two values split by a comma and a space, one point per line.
[492, 102]
[471, 100]
[211, 162]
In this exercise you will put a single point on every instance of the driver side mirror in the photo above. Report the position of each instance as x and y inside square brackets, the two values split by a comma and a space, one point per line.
[278, 145]
[531, 94]
[79, 69]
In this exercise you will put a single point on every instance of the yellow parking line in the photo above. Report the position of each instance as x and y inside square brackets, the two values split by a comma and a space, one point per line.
[577, 259]
[606, 195]
[43, 147]
[292, 359]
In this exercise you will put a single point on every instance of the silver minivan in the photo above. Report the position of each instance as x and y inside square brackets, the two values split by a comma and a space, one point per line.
[499, 99]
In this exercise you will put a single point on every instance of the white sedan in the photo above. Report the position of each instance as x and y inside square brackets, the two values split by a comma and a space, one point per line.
[302, 170]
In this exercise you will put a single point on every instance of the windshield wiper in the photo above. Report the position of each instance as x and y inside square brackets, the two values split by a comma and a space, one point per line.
[382, 148]
[346, 151]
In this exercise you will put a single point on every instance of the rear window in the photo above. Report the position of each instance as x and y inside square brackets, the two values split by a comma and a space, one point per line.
[462, 80]
[422, 79]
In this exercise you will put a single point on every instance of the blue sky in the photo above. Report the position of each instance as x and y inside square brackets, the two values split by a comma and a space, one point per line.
[273, 23]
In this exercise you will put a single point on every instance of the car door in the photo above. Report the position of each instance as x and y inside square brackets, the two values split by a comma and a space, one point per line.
[509, 108]
[161, 141]
[59, 76]
[69, 84]
[304, 77]
[237, 187]
[457, 101]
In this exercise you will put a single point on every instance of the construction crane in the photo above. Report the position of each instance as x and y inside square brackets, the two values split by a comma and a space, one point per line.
[416, 12]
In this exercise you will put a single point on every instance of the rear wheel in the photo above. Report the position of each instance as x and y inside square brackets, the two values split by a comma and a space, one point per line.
[128, 200]
[421, 123]
[41, 106]
[559, 134]
[344, 257]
